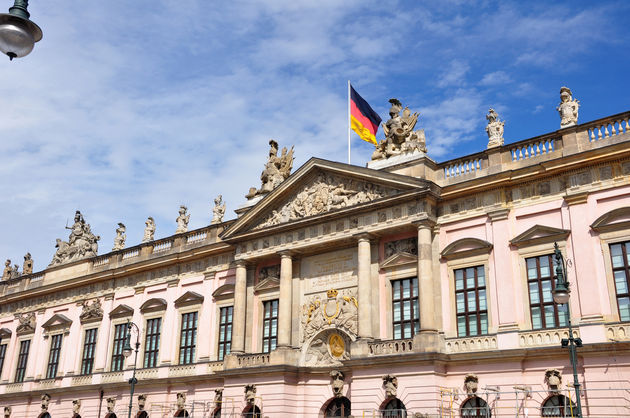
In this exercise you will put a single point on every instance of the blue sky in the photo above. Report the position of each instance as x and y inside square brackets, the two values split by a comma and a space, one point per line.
[127, 109]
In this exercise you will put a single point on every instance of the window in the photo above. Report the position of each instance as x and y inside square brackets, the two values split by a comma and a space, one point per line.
[89, 345]
[470, 298]
[558, 406]
[619, 254]
[53, 357]
[270, 326]
[118, 360]
[541, 282]
[476, 407]
[394, 409]
[406, 309]
[225, 331]
[152, 342]
[188, 339]
[22, 359]
[338, 407]
[3, 354]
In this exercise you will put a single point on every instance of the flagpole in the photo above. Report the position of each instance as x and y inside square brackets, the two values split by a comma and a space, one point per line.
[349, 122]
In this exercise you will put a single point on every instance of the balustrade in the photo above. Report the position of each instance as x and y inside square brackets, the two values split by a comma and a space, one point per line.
[162, 246]
[531, 149]
[545, 337]
[464, 166]
[390, 347]
[609, 128]
[196, 237]
[249, 360]
[466, 344]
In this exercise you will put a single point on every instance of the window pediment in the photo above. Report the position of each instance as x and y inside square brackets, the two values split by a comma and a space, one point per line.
[189, 298]
[153, 305]
[57, 322]
[466, 247]
[270, 283]
[224, 292]
[399, 259]
[121, 311]
[5, 333]
[540, 234]
[613, 221]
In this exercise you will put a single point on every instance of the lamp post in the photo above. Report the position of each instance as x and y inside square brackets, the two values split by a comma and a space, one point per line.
[127, 352]
[18, 33]
[561, 296]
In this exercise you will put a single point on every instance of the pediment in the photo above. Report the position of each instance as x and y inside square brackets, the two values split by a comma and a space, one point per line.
[539, 234]
[153, 305]
[189, 298]
[268, 284]
[614, 220]
[121, 311]
[399, 259]
[5, 333]
[224, 292]
[466, 247]
[322, 188]
[57, 321]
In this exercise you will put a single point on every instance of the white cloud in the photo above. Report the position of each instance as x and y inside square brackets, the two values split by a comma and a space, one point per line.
[454, 75]
[495, 78]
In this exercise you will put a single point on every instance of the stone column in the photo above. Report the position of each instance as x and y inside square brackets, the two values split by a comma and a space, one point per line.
[364, 286]
[286, 299]
[426, 290]
[240, 304]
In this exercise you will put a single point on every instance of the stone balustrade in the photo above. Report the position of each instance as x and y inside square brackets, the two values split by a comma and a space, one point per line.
[143, 374]
[113, 377]
[215, 366]
[250, 360]
[132, 253]
[14, 387]
[162, 246]
[609, 127]
[547, 337]
[197, 236]
[101, 261]
[525, 150]
[463, 166]
[182, 370]
[468, 344]
[82, 380]
[382, 348]
[47, 383]
[618, 332]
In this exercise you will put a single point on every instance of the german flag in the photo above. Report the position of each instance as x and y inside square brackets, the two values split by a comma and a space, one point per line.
[363, 119]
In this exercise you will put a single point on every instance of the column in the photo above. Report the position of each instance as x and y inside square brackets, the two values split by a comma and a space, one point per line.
[240, 302]
[426, 292]
[286, 299]
[365, 286]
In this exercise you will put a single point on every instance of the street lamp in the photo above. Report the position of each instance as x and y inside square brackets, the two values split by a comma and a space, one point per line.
[127, 352]
[18, 34]
[561, 296]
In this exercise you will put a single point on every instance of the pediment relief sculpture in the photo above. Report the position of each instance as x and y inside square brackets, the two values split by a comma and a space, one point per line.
[277, 169]
[82, 243]
[26, 323]
[400, 137]
[91, 311]
[466, 247]
[334, 310]
[407, 245]
[325, 193]
[328, 348]
[616, 219]
[539, 234]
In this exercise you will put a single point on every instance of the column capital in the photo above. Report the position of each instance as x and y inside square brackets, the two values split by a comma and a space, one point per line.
[241, 263]
[425, 222]
[286, 254]
[363, 236]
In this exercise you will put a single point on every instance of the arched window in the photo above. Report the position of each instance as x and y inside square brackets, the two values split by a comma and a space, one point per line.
[338, 407]
[252, 411]
[476, 407]
[558, 406]
[394, 408]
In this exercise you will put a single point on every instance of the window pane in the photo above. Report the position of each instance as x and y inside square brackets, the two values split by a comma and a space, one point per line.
[397, 331]
[461, 326]
[459, 279]
[550, 320]
[624, 309]
[472, 324]
[484, 323]
[407, 330]
[544, 266]
[472, 303]
[397, 289]
[482, 300]
[620, 282]
[481, 277]
[461, 306]
[562, 315]
[396, 311]
[546, 290]
[536, 318]
[617, 255]
[406, 288]
[416, 309]
[407, 310]
[533, 293]
[531, 268]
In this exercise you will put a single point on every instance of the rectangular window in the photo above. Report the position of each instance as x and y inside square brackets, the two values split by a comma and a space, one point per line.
[406, 312]
[89, 345]
[188, 339]
[152, 342]
[53, 357]
[22, 360]
[3, 354]
[270, 326]
[225, 331]
[541, 283]
[470, 301]
[619, 254]
[120, 335]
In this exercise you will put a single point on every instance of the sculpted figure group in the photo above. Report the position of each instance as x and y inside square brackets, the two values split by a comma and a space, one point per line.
[277, 169]
[400, 137]
[14, 272]
[82, 243]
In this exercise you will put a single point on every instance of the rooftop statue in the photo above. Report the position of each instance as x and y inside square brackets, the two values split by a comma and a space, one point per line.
[120, 238]
[400, 137]
[15, 273]
[81, 244]
[568, 108]
[27, 268]
[276, 170]
[218, 211]
[494, 129]
[149, 230]
[182, 220]
[8, 270]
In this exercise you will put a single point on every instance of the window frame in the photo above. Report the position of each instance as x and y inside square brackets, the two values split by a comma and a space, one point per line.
[222, 351]
[155, 353]
[538, 280]
[272, 339]
[18, 365]
[54, 354]
[193, 346]
[415, 319]
[82, 360]
[477, 312]
[3, 356]
[625, 268]
[118, 339]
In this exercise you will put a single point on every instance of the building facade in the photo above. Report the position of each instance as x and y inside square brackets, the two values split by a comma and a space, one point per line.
[404, 288]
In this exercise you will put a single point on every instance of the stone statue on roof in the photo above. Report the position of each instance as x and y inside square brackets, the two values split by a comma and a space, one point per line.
[494, 129]
[82, 243]
[277, 169]
[120, 238]
[149, 230]
[568, 108]
[27, 267]
[400, 136]
[218, 211]
[8, 270]
[182, 220]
